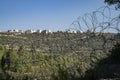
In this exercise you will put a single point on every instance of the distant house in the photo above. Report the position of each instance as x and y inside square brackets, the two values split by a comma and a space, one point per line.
[74, 31]
[39, 31]
[71, 31]
[46, 31]
[79, 31]
[11, 31]
[15, 31]
[29, 31]
[90, 30]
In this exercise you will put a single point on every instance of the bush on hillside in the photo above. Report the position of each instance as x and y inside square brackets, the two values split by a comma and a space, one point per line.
[115, 52]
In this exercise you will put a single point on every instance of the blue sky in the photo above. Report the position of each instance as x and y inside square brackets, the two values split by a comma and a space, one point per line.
[43, 14]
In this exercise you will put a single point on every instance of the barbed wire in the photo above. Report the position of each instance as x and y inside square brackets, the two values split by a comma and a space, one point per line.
[98, 21]
[96, 24]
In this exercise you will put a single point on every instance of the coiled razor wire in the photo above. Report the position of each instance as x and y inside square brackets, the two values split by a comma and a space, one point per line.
[96, 24]
[101, 20]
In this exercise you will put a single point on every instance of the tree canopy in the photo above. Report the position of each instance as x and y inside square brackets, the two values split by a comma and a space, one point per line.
[113, 2]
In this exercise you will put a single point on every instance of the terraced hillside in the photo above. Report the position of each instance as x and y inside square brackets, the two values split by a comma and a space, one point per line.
[59, 42]
[54, 56]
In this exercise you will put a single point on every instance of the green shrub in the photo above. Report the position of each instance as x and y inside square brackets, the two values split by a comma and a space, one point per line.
[1, 47]
[115, 52]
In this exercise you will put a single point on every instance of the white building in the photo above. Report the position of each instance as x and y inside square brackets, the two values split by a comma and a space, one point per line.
[39, 31]
[71, 31]
[79, 31]
[15, 31]
[74, 31]
[30, 31]
[46, 31]
[11, 31]
[90, 30]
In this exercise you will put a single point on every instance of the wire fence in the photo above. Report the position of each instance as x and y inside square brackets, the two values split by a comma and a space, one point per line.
[101, 20]
[105, 20]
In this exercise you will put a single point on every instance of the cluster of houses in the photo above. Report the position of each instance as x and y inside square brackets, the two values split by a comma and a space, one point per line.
[29, 31]
[45, 31]
[41, 31]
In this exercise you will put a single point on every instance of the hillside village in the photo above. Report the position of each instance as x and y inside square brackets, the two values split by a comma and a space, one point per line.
[55, 42]
[39, 54]
[43, 31]
[46, 40]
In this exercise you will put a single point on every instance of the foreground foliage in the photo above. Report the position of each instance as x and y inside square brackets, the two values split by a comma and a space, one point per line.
[60, 58]
[19, 64]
